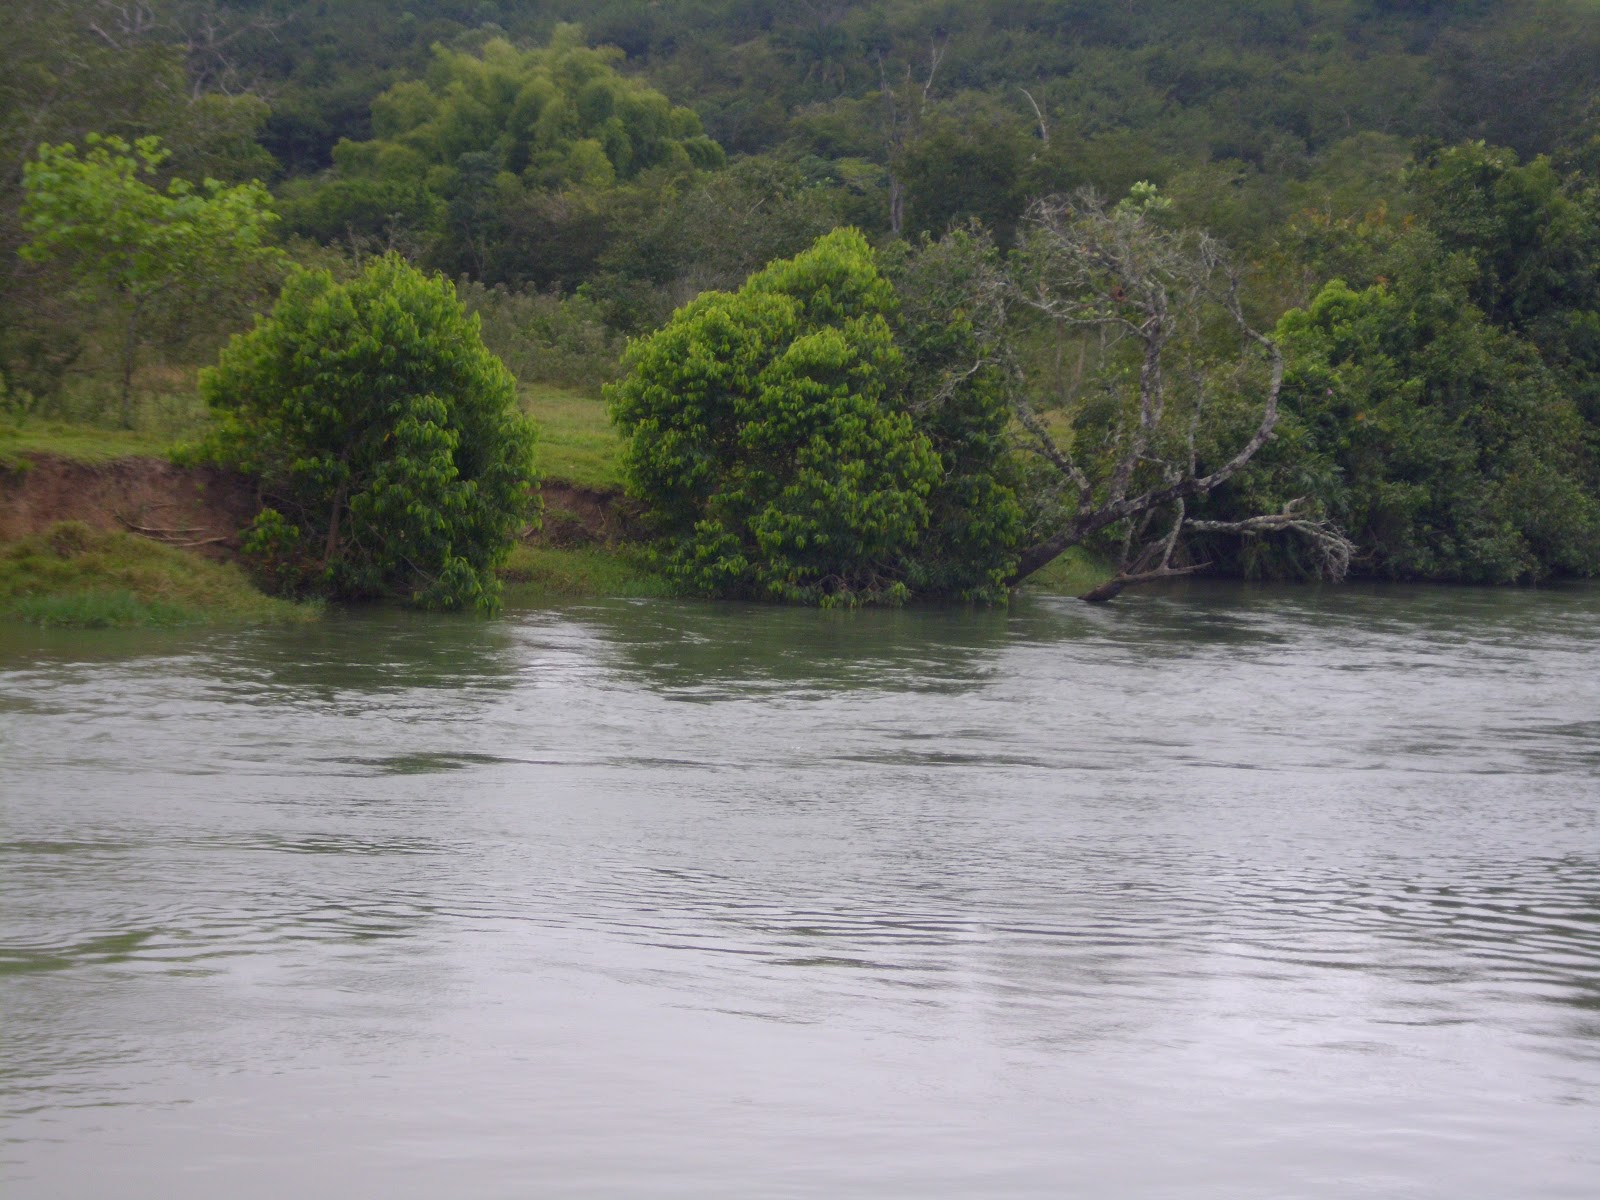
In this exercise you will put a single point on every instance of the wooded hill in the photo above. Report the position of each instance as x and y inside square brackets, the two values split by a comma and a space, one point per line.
[1408, 189]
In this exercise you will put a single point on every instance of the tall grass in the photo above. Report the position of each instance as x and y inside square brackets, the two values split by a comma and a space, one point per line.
[539, 573]
[543, 337]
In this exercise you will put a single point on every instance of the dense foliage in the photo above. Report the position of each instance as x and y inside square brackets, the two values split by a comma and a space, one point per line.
[770, 438]
[391, 452]
[155, 251]
[1414, 183]
[1458, 456]
[504, 162]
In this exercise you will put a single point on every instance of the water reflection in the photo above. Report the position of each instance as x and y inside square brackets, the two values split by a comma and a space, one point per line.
[714, 652]
[1220, 882]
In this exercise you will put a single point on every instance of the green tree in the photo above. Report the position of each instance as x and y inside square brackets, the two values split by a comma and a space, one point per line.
[387, 439]
[1457, 453]
[148, 248]
[771, 435]
[1534, 237]
[532, 159]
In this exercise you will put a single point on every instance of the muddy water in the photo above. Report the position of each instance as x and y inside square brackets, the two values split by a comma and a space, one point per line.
[1215, 894]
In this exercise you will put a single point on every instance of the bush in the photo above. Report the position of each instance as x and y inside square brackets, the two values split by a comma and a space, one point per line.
[781, 455]
[387, 439]
[1444, 445]
[544, 338]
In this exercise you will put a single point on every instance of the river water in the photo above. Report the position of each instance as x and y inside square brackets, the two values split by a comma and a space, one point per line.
[1219, 893]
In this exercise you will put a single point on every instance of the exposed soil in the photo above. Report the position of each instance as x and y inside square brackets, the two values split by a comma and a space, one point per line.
[198, 508]
[577, 516]
[204, 508]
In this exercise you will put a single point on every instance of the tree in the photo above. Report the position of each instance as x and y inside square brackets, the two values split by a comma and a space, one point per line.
[149, 248]
[1458, 455]
[772, 437]
[387, 439]
[1163, 402]
[529, 156]
[1534, 238]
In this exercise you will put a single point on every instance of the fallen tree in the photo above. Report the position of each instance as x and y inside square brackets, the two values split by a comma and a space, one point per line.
[1140, 385]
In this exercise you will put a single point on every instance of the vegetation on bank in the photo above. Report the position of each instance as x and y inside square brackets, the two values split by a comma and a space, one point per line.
[392, 457]
[21, 438]
[533, 573]
[76, 576]
[1392, 369]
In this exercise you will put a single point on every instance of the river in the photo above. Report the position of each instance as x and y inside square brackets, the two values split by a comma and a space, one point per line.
[1213, 893]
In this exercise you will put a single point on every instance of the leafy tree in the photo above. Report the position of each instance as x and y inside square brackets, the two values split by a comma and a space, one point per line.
[1458, 455]
[964, 164]
[530, 156]
[959, 396]
[147, 247]
[772, 439]
[1534, 238]
[386, 437]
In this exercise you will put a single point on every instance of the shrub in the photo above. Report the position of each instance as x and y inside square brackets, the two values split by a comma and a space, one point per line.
[775, 443]
[391, 453]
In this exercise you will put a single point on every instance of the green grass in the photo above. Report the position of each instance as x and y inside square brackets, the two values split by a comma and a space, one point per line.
[78, 442]
[103, 609]
[577, 442]
[76, 576]
[1075, 572]
[538, 573]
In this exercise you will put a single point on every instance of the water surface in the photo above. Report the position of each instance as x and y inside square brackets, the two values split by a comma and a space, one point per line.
[1218, 893]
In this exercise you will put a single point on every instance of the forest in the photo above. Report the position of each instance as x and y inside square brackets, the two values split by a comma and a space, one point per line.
[886, 299]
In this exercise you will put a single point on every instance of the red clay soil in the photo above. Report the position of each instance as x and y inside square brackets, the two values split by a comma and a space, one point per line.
[200, 508]
[204, 508]
[577, 516]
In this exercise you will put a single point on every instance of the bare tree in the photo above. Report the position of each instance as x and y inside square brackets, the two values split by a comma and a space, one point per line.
[904, 106]
[206, 31]
[1145, 306]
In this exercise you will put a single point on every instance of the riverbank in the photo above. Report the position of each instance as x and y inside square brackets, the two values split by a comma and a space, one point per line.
[119, 490]
[79, 576]
[150, 542]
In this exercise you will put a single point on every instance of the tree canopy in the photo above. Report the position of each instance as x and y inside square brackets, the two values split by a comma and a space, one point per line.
[771, 439]
[182, 246]
[391, 451]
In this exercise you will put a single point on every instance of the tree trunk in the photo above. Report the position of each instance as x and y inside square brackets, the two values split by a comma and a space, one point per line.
[331, 546]
[130, 351]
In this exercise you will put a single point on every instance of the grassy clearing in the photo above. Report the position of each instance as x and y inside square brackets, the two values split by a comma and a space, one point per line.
[76, 576]
[537, 573]
[577, 442]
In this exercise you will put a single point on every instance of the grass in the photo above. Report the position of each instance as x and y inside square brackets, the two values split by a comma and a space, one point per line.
[1075, 572]
[76, 576]
[80, 443]
[577, 442]
[537, 573]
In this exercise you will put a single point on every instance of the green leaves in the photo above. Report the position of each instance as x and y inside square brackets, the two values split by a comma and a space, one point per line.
[769, 436]
[1460, 458]
[149, 248]
[386, 436]
[96, 208]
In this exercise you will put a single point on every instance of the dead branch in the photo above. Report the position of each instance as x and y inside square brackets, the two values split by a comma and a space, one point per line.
[1120, 270]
